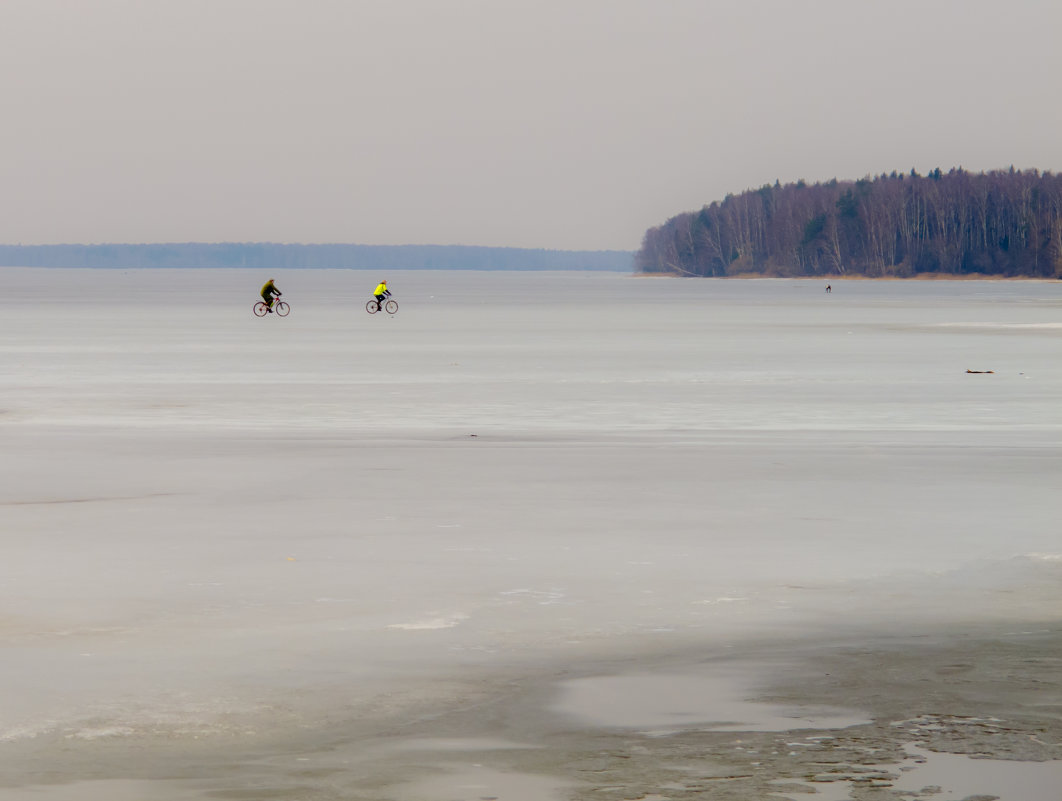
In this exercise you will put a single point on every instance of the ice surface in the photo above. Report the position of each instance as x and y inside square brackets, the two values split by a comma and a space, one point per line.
[208, 517]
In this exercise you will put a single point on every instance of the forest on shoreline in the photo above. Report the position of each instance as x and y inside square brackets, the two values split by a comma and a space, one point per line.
[268, 255]
[1004, 223]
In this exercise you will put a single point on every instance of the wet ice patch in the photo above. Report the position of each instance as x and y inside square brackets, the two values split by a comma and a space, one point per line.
[956, 776]
[717, 701]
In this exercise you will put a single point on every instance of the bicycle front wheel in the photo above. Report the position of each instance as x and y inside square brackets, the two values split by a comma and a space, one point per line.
[391, 306]
[371, 307]
[260, 309]
[282, 308]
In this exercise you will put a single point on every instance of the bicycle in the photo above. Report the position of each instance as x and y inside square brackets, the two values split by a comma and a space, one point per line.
[261, 309]
[373, 306]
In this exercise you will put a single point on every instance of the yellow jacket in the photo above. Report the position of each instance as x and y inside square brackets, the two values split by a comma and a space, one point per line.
[380, 289]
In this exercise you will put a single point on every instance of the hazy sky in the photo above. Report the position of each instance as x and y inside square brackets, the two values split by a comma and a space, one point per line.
[545, 123]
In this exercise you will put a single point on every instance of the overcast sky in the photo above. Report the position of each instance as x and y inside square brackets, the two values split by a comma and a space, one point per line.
[570, 124]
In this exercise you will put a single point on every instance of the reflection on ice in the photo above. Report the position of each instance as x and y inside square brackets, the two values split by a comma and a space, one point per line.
[715, 699]
[956, 776]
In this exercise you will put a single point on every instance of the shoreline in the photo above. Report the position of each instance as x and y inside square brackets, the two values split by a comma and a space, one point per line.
[980, 691]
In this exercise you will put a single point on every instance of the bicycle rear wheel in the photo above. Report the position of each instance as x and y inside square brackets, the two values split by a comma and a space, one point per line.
[282, 308]
[260, 309]
[371, 307]
[391, 306]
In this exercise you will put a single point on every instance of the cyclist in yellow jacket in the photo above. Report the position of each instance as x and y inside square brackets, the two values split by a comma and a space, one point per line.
[381, 292]
[270, 291]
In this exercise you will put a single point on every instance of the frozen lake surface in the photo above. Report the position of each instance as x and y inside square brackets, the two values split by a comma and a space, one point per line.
[209, 518]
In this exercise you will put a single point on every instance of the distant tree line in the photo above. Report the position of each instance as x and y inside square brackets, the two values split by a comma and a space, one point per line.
[289, 256]
[1004, 222]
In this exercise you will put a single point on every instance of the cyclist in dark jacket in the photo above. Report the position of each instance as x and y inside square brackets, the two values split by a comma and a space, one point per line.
[270, 291]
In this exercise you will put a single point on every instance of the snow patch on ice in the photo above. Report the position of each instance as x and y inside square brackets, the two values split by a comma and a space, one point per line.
[446, 622]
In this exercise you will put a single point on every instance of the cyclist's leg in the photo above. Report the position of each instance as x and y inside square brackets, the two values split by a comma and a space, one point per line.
[379, 301]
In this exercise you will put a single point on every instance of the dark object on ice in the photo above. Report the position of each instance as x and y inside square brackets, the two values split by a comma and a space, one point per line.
[980, 371]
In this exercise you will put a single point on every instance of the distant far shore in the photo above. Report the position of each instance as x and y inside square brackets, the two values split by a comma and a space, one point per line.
[855, 277]
[266, 255]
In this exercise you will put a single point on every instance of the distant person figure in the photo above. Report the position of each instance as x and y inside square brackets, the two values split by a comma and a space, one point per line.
[380, 293]
[269, 292]
[829, 289]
